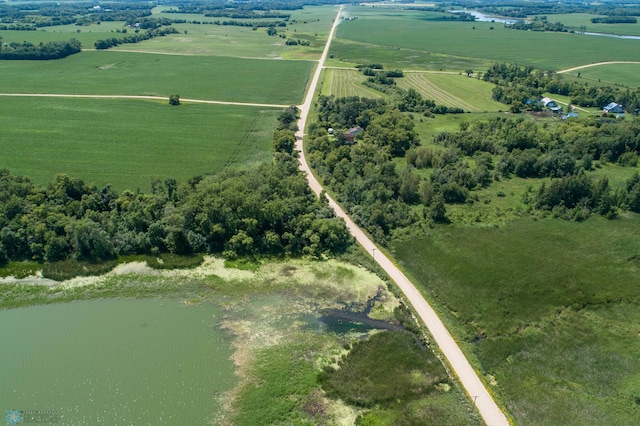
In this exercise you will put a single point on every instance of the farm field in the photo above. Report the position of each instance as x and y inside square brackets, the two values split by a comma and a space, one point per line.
[344, 83]
[198, 77]
[420, 31]
[549, 309]
[623, 74]
[127, 143]
[348, 53]
[453, 90]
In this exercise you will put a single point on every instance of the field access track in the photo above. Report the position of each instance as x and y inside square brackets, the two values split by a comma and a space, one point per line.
[152, 98]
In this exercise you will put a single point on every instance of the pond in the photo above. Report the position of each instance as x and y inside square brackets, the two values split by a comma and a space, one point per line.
[114, 362]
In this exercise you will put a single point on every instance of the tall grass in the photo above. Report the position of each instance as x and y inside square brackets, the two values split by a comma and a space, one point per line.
[548, 307]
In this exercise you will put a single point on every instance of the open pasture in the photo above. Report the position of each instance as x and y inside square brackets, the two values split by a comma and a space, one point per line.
[550, 309]
[127, 143]
[453, 90]
[547, 51]
[622, 74]
[343, 83]
[197, 77]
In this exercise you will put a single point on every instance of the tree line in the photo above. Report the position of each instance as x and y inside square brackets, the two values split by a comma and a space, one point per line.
[41, 51]
[136, 38]
[267, 210]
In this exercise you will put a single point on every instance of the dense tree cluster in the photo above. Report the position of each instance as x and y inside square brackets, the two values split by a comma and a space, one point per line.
[363, 175]
[41, 51]
[614, 20]
[383, 198]
[267, 210]
[522, 86]
[136, 38]
[539, 24]
[529, 150]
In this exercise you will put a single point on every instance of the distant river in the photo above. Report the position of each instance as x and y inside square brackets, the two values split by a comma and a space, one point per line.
[481, 17]
[114, 362]
[628, 37]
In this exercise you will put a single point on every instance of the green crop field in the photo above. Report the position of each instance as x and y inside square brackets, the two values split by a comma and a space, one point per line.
[418, 31]
[623, 74]
[453, 90]
[550, 309]
[127, 143]
[343, 83]
[200, 77]
[350, 53]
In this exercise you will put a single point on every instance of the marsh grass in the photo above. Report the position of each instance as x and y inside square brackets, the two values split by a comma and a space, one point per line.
[548, 309]
[391, 372]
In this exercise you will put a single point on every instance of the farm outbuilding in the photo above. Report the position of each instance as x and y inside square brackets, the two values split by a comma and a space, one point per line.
[351, 134]
[548, 103]
[614, 108]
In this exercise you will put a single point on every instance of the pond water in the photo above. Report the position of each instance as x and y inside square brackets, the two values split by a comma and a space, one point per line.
[114, 362]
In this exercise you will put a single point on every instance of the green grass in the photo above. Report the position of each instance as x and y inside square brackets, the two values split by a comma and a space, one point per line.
[344, 83]
[127, 143]
[198, 77]
[418, 31]
[349, 53]
[453, 90]
[556, 304]
[623, 74]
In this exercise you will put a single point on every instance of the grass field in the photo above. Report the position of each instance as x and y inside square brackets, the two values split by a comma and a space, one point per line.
[623, 74]
[199, 77]
[419, 31]
[343, 83]
[550, 309]
[128, 143]
[453, 90]
[350, 53]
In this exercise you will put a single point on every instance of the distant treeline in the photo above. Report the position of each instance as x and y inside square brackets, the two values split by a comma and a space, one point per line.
[614, 20]
[51, 14]
[253, 24]
[263, 9]
[136, 38]
[42, 51]
[523, 10]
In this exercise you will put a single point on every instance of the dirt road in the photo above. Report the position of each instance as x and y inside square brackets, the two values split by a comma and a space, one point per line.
[491, 414]
[595, 65]
[155, 98]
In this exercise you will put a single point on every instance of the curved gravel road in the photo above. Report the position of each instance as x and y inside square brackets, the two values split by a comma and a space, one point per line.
[491, 414]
